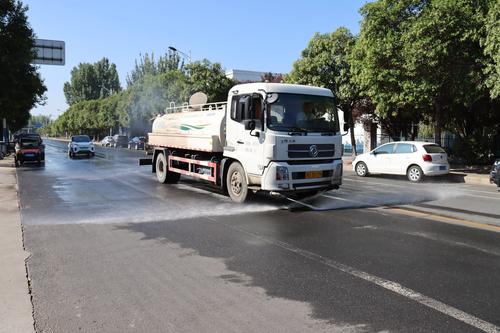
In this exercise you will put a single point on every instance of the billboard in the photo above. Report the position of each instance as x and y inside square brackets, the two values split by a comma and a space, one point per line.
[49, 52]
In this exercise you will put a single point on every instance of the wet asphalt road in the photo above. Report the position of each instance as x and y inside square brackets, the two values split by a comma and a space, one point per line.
[115, 251]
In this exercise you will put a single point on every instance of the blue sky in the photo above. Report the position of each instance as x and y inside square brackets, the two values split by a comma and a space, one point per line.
[254, 35]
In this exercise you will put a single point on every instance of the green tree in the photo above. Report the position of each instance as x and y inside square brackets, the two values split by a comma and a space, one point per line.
[21, 87]
[148, 66]
[421, 59]
[492, 49]
[326, 63]
[378, 63]
[209, 78]
[450, 75]
[92, 81]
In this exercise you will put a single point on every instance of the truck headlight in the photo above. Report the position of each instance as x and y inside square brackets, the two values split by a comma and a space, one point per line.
[281, 173]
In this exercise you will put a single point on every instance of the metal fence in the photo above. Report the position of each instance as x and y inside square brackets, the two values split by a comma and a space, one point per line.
[447, 142]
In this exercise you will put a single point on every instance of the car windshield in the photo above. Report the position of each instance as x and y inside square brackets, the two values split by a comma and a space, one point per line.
[433, 149]
[29, 143]
[308, 113]
[80, 138]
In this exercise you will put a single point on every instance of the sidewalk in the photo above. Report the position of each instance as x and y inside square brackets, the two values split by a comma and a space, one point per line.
[15, 304]
[455, 176]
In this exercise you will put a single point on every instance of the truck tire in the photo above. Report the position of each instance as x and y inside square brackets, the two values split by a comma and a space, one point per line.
[236, 183]
[162, 174]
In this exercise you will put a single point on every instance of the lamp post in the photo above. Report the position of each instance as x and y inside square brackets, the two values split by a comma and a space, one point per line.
[183, 53]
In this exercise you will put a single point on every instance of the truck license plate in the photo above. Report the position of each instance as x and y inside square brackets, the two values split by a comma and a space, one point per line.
[314, 174]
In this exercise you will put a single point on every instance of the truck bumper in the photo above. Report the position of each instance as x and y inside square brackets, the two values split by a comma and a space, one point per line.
[304, 177]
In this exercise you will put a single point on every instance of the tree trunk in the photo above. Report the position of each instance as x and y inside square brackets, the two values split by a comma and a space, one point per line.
[353, 139]
[437, 124]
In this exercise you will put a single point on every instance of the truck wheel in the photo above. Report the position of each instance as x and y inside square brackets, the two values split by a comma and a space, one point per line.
[164, 176]
[236, 183]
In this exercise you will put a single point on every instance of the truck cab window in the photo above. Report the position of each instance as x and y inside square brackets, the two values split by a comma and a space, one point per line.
[239, 107]
[245, 107]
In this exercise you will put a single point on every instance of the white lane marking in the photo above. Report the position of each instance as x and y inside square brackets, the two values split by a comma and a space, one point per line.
[381, 282]
[464, 191]
[481, 196]
[492, 193]
[449, 241]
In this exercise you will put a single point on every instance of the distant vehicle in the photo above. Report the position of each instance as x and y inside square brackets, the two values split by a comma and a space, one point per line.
[120, 141]
[33, 136]
[29, 149]
[411, 158]
[495, 173]
[107, 141]
[137, 142]
[80, 144]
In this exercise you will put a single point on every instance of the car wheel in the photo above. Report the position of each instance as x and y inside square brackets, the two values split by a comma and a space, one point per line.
[361, 169]
[415, 174]
[162, 174]
[236, 183]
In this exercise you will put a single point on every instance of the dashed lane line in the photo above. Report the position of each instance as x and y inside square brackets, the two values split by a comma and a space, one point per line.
[378, 281]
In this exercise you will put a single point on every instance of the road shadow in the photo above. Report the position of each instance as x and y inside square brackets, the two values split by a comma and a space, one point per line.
[333, 296]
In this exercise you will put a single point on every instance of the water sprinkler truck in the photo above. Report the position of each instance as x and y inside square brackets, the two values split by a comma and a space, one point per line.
[280, 138]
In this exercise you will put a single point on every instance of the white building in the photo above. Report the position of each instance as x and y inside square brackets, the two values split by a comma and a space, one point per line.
[244, 75]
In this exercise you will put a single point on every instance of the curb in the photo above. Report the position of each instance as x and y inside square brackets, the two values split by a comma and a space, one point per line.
[16, 312]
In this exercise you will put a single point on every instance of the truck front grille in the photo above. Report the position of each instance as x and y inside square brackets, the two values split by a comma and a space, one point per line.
[311, 150]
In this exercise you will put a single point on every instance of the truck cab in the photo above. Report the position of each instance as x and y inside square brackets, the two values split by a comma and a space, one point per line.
[286, 137]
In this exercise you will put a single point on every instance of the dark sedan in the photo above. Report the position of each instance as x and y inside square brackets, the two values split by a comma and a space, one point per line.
[120, 141]
[137, 142]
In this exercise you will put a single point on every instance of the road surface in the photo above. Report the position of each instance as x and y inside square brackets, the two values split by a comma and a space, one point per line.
[112, 250]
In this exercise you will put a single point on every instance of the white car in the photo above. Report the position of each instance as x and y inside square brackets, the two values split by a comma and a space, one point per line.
[80, 144]
[107, 141]
[411, 158]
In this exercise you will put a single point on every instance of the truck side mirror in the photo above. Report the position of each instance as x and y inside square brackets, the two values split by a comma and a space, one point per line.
[249, 124]
[346, 127]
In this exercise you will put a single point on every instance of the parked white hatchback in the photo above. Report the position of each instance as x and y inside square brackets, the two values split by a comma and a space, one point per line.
[414, 159]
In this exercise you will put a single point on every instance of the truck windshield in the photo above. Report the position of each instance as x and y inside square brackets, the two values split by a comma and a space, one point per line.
[305, 113]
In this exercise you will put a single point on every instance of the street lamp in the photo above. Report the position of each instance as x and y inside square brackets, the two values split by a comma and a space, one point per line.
[183, 53]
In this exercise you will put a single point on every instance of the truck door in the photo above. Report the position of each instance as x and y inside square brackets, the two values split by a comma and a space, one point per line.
[243, 144]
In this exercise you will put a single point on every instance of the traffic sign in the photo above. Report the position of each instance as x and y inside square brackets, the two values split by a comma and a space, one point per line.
[49, 52]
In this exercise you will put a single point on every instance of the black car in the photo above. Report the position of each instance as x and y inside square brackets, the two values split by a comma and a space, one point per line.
[495, 173]
[120, 141]
[137, 142]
